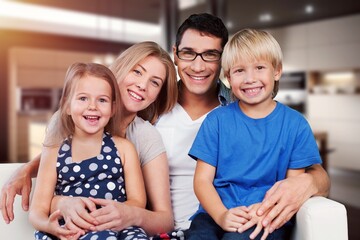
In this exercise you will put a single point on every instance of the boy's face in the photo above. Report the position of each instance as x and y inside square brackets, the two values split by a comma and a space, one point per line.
[198, 76]
[252, 82]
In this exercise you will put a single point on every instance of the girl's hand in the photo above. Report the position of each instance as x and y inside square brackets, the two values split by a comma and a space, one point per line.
[75, 211]
[234, 218]
[255, 221]
[60, 231]
[113, 215]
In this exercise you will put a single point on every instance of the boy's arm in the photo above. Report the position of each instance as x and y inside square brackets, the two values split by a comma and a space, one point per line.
[19, 183]
[287, 196]
[228, 219]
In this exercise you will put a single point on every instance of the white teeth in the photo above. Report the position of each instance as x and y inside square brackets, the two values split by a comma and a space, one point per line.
[135, 95]
[198, 78]
[91, 117]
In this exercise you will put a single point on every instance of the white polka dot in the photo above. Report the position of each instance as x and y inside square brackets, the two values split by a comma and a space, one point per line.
[105, 166]
[72, 178]
[114, 170]
[68, 160]
[102, 176]
[65, 169]
[57, 164]
[91, 179]
[93, 192]
[107, 149]
[108, 196]
[87, 185]
[95, 237]
[100, 157]
[66, 189]
[111, 238]
[96, 186]
[111, 186]
[93, 167]
[82, 176]
[117, 160]
[108, 157]
[61, 155]
[78, 191]
[65, 147]
[76, 168]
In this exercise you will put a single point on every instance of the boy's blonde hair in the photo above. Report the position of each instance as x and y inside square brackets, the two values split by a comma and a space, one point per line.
[61, 124]
[249, 45]
[168, 94]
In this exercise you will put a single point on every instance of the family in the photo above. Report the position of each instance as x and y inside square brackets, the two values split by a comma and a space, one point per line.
[134, 153]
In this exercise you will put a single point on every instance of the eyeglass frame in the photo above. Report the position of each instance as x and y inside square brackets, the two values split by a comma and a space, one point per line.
[198, 54]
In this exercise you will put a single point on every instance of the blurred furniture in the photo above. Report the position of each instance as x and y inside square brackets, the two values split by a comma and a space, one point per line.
[318, 219]
[322, 140]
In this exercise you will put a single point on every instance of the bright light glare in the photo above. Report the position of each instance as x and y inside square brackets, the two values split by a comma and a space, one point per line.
[336, 76]
[72, 19]
[265, 17]
[309, 9]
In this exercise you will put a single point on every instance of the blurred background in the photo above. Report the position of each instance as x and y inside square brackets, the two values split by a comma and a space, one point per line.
[320, 40]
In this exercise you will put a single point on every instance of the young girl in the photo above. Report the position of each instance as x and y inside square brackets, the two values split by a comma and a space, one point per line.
[146, 78]
[93, 161]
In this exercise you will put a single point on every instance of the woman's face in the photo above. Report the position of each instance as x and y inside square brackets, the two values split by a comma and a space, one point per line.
[142, 84]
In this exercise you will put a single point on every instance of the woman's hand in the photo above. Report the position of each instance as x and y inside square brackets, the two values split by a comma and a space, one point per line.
[19, 183]
[76, 212]
[112, 215]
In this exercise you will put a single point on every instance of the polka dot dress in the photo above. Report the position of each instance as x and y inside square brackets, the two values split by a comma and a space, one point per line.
[99, 177]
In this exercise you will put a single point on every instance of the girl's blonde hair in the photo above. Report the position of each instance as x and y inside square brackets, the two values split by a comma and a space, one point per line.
[249, 45]
[168, 93]
[61, 124]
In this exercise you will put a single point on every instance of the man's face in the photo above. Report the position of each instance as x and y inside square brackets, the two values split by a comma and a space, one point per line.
[198, 76]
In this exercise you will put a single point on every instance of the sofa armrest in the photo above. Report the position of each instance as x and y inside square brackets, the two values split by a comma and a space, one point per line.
[321, 219]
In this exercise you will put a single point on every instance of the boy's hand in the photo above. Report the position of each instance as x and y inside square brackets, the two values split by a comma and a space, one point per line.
[234, 218]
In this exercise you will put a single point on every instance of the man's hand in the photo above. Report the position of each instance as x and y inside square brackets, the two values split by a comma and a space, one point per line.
[19, 183]
[284, 199]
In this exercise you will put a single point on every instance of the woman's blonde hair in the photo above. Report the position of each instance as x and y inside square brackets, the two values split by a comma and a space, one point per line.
[168, 93]
[61, 124]
[252, 44]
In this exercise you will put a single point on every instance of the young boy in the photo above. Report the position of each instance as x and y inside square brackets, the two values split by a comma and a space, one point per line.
[243, 149]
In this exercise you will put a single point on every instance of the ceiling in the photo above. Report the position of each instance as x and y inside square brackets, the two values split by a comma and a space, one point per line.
[236, 14]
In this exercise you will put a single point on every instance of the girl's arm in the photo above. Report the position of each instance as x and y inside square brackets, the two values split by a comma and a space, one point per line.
[158, 217]
[43, 194]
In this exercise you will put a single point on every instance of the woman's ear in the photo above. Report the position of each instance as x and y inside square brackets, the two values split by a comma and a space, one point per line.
[175, 56]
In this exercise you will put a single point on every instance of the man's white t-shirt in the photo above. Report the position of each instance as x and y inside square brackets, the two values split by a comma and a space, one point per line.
[178, 132]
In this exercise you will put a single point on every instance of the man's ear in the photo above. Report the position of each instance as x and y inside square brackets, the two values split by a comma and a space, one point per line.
[174, 53]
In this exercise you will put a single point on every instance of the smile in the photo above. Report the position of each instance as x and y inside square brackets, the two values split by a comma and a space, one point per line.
[134, 95]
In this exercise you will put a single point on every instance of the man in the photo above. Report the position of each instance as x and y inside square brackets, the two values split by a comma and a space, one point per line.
[199, 43]
[197, 52]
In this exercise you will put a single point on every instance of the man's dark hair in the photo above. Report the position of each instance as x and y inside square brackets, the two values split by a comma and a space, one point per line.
[204, 23]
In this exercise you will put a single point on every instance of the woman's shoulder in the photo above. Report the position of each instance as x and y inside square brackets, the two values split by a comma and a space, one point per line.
[140, 126]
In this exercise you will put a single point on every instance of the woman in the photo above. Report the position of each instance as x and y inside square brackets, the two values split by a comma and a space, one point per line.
[147, 81]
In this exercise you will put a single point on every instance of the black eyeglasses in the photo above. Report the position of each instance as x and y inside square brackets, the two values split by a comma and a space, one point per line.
[209, 56]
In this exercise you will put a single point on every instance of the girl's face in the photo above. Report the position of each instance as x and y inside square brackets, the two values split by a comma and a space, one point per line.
[142, 84]
[252, 82]
[90, 105]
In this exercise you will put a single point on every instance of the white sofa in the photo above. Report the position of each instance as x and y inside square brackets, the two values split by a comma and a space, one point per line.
[318, 219]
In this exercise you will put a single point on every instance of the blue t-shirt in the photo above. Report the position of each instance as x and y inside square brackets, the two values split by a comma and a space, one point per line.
[250, 155]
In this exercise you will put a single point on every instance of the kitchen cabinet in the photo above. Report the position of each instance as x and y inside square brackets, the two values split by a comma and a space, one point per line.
[34, 68]
[337, 115]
